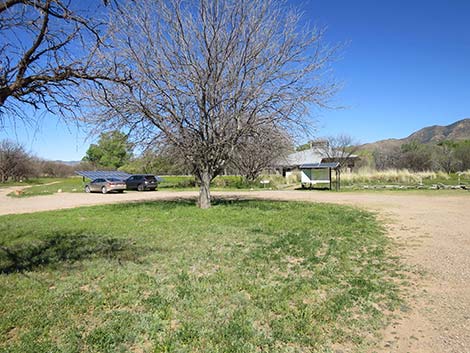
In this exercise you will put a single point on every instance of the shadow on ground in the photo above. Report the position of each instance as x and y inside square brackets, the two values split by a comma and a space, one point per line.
[228, 200]
[62, 248]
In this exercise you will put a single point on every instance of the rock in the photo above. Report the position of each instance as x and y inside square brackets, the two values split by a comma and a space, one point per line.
[59, 191]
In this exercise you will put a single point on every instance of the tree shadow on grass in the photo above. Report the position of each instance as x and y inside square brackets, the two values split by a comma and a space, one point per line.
[163, 204]
[62, 248]
[190, 202]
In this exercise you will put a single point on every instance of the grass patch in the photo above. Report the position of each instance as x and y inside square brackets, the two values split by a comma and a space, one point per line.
[27, 182]
[51, 186]
[244, 276]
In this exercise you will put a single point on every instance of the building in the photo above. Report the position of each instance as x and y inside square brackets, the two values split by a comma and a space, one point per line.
[318, 153]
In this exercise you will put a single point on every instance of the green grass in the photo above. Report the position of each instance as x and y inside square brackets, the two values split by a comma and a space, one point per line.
[27, 182]
[72, 184]
[244, 276]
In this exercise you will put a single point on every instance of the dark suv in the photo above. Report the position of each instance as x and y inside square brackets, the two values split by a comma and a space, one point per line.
[141, 182]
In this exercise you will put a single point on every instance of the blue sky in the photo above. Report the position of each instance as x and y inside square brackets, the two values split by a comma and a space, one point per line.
[404, 65]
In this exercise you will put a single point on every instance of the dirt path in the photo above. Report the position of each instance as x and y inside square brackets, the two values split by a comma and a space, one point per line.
[433, 233]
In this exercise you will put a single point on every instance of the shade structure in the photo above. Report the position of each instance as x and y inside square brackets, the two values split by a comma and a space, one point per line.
[308, 177]
[332, 165]
[95, 174]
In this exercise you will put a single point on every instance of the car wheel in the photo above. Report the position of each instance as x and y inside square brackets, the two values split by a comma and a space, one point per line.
[87, 189]
[104, 190]
[140, 187]
[120, 191]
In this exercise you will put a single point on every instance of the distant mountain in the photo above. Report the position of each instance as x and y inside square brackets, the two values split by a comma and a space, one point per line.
[70, 163]
[459, 130]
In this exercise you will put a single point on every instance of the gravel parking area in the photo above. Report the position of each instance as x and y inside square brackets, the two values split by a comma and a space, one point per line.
[433, 236]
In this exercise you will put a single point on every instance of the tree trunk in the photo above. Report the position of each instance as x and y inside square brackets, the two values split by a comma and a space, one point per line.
[204, 200]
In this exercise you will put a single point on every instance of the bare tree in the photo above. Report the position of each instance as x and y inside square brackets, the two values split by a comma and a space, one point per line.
[259, 151]
[46, 50]
[443, 157]
[15, 162]
[339, 149]
[54, 169]
[206, 74]
[385, 158]
[415, 156]
[462, 154]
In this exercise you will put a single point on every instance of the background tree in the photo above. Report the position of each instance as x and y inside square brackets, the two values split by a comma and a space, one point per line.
[462, 155]
[256, 153]
[340, 148]
[112, 151]
[15, 163]
[415, 156]
[447, 156]
[157, 161]
[53, 169]
[46, 50]
[443, 157]
[386, 158]
[206, 74]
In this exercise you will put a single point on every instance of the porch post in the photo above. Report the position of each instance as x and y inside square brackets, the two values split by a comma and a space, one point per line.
[329, 172]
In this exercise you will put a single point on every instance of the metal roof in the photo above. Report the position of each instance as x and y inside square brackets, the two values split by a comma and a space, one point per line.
[310, 156]
[302, 157]
[94, 174]
[320, 165]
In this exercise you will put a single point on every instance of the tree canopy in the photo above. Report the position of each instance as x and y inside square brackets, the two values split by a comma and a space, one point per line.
[112, 151]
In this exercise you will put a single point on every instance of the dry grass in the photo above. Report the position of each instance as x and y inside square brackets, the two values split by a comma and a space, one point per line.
[400, 176]
[464, 174]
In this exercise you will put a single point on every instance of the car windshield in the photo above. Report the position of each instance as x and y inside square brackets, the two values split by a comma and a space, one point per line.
[150, 178]
[113, 179]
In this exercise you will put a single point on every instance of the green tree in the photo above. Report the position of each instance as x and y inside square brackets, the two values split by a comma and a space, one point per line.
[462, 154]
[112, 151]
[415, 156]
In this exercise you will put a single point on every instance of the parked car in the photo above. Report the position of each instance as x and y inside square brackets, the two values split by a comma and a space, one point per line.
[105, 185]
[142, 182]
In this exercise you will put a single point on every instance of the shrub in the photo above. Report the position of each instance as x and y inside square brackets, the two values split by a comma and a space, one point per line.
[294, 178]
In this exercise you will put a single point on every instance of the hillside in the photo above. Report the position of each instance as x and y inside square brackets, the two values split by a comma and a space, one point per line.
[459, 130]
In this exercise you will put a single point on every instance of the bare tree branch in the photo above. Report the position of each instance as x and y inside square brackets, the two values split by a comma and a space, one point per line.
[257, 152]
[340, 148]
[47, 48]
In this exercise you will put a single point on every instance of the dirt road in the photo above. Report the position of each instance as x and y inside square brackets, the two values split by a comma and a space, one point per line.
[433, 233]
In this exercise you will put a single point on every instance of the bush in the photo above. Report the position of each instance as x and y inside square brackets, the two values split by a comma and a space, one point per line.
[275, 180]
[294, 178]
[177, 181]
[222, 181]
[229, 181]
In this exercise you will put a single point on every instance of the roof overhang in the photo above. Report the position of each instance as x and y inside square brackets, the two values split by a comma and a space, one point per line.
[94, 174]
[333, 165]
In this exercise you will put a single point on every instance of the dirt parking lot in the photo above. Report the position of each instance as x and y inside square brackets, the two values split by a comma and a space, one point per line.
[432, 232]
